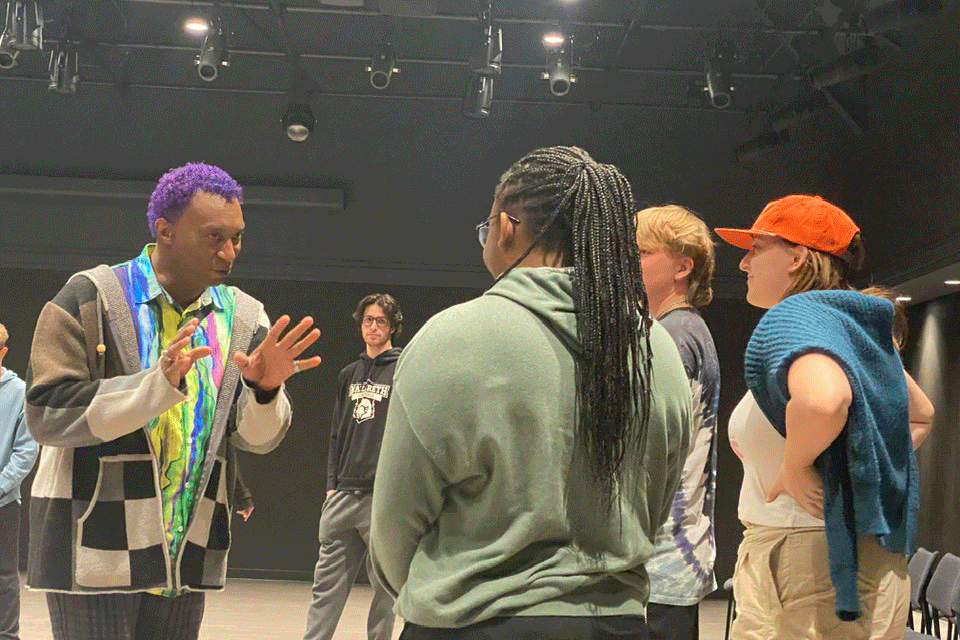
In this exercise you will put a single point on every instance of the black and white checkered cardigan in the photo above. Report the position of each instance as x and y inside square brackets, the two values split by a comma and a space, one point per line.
[96, 521]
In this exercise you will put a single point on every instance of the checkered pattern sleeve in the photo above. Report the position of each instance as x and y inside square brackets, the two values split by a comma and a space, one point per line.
[67, 404]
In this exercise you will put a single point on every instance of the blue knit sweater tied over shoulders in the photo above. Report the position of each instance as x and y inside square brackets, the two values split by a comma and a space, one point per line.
[869, 472]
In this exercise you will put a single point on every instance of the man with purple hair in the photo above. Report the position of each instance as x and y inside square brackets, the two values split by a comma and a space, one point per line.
[141, 378]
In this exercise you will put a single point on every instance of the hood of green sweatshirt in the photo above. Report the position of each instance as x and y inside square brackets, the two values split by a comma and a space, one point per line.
[549, 294]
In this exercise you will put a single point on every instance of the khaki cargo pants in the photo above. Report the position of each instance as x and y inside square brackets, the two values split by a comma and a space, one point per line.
[782, 588]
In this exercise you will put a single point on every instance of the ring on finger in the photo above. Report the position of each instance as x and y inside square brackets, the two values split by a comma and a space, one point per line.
[296, 366]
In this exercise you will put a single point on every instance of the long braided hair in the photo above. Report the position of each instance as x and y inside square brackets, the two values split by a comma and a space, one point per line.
[584, 211]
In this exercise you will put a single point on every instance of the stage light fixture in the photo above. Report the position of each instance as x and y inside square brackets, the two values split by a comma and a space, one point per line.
[382, 66]
[196, 25]
[213, 52]
[554, 38]
[479, 96]
[22, 27]
[64, 69]
[797, 111]
[847, 67]
[488, 55]
[298, 121]
[899, 13]
[8, 55]
[719, 84]
[559, 73]
[762, 144]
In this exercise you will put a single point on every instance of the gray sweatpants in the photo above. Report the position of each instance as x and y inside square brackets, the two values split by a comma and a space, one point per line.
[9, 576]
[344, 537]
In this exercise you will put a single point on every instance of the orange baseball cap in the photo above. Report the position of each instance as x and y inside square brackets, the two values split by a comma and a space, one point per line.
[809, 221]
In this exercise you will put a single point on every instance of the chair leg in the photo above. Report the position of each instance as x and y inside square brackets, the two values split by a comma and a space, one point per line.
[730, 606]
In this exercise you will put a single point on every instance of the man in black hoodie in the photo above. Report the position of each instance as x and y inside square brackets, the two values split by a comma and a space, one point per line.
[359, 414]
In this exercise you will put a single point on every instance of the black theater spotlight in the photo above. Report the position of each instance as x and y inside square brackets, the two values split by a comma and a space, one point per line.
[479, 96]
[213, 52]
[487, 57]
[298, 121]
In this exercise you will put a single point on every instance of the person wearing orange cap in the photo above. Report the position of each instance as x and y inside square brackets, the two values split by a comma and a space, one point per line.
[826, 433]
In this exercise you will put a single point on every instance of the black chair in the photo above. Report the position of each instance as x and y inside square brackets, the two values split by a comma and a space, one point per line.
[731, 609]
[942, 600]
[920, 569]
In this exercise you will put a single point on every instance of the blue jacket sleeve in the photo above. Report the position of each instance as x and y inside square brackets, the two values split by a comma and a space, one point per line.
[22, 457]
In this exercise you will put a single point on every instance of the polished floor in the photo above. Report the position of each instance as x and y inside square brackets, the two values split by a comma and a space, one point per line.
[272, 610]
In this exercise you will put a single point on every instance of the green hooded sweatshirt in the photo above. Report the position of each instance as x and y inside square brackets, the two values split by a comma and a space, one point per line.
[483, 503]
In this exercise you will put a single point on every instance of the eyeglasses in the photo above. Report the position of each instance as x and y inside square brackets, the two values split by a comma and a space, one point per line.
[483, 229]
[380, 321]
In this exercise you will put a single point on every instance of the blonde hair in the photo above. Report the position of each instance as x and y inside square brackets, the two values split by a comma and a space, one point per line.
[825, 271]
[901, 326]
[4, 336]
[681, 233]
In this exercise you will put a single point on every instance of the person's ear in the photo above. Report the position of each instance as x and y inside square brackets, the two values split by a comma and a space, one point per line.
[800, 255]
[684, 267]
[506, 231]
[164, 231]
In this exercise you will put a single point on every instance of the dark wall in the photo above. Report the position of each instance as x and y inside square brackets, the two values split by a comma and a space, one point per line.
[22, 295]
[901, 180]
[932, 355]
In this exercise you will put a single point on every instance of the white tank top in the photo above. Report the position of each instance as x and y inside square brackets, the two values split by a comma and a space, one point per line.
[760, 448]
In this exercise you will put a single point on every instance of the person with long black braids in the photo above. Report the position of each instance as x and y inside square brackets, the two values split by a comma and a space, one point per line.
[536, 434]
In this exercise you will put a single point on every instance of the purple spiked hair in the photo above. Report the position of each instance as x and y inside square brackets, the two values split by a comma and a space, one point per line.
[177, 187]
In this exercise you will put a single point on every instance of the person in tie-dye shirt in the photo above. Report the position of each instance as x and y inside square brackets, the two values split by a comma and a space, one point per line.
[142, 377]
[676, 256]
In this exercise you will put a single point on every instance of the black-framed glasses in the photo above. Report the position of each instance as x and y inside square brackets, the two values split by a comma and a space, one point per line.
[483, 229]
[380, 321]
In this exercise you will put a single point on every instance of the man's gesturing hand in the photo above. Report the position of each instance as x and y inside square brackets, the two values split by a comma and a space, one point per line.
[275, 359]
[174, 361]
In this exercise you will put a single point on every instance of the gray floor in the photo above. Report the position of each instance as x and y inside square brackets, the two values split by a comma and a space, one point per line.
[271, 610]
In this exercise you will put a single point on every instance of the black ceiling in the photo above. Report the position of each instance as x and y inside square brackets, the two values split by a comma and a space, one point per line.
[658, 47]
[416, 173]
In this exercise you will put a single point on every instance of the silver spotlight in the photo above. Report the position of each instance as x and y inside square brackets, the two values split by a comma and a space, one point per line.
[213, 53]
[8, 55]
[719, 85]
[559, 71]
[382, 66]
[22, 28]
[64, 69]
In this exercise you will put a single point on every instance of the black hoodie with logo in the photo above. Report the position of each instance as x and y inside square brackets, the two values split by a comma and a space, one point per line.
[359, 415]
